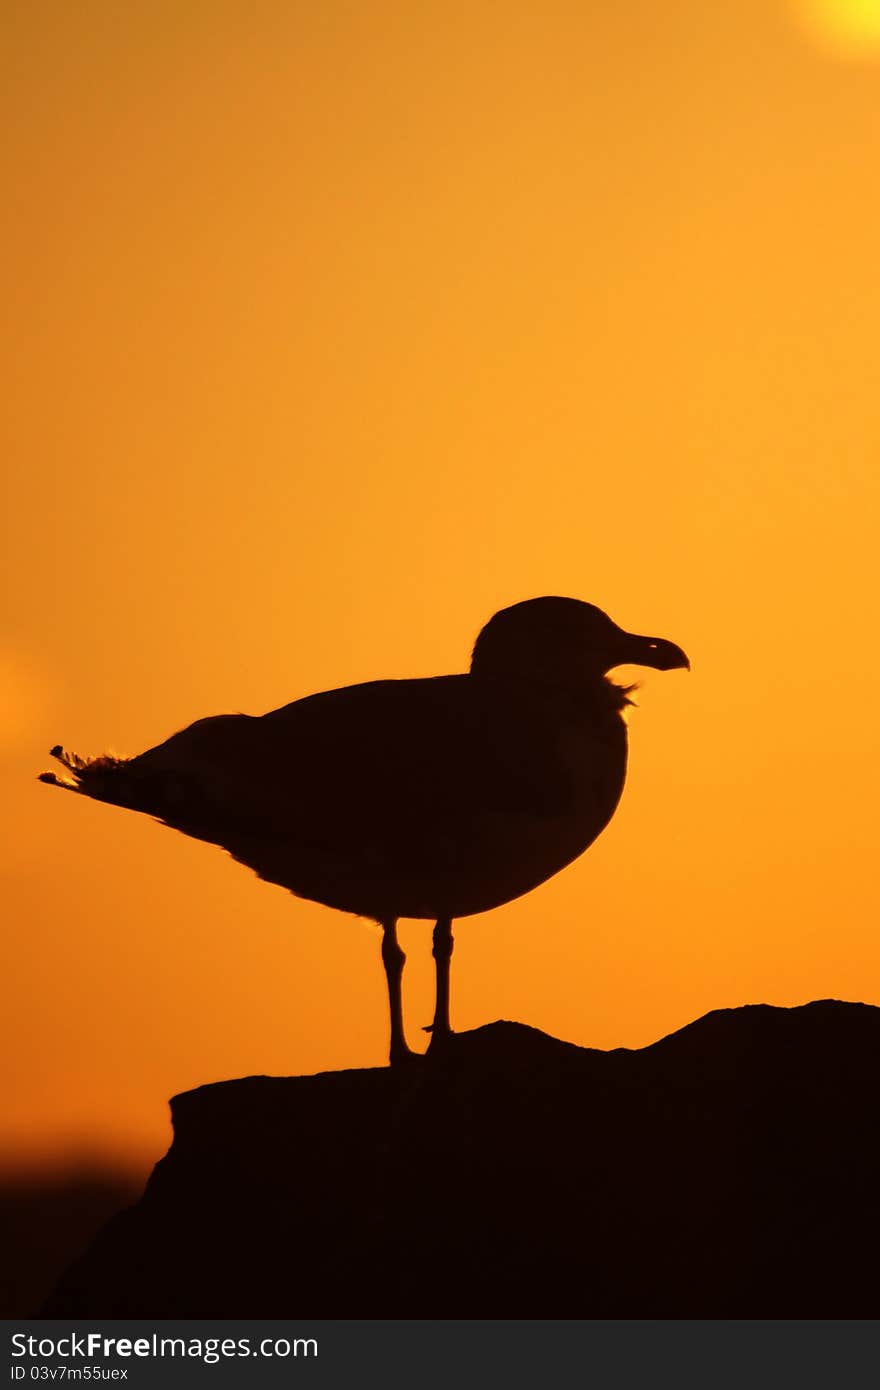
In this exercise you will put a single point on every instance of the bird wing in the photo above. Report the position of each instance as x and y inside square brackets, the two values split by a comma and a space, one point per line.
[366, 762]
[392, 752]
[417, 798]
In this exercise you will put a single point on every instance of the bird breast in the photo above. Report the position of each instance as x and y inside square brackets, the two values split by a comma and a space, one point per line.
[515, 849]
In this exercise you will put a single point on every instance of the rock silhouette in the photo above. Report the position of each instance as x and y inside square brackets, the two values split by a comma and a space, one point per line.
[435, 798]
[46, 1219]
[728, 1170]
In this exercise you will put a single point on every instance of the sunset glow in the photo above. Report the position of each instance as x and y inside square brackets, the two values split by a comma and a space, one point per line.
[338, 328]
[848, 27]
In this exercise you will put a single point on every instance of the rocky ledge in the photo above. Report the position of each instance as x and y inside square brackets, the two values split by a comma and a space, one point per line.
[729, 1170]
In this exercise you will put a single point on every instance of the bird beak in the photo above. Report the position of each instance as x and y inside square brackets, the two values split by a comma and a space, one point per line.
[651, 651]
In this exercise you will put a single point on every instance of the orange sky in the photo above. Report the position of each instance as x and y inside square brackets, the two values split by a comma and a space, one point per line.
[339, 326]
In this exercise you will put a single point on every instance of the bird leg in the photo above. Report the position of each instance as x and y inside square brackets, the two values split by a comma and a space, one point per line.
[393, 959]
[442, 952]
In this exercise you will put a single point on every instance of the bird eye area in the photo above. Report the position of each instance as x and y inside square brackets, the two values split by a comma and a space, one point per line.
[560, 639]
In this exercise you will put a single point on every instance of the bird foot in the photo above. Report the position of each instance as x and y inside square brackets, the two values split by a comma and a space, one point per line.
[439, 1040]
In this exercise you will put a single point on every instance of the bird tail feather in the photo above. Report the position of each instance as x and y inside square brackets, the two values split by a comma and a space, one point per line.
[100, 777]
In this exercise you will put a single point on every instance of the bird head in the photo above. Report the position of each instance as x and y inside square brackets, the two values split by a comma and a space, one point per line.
[565, 642]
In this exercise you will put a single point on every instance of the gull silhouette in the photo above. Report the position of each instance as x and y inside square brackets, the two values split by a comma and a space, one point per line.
[434, 798]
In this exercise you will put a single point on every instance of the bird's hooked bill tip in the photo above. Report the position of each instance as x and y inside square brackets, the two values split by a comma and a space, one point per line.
[656, 652]
[668, 656]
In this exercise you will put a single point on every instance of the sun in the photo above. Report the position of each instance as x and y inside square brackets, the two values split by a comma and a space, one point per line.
[847, 27]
